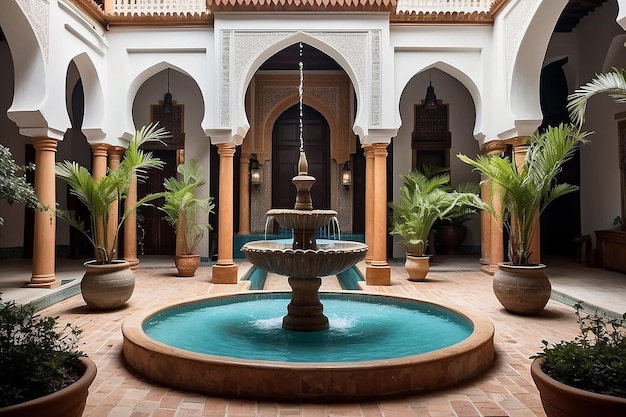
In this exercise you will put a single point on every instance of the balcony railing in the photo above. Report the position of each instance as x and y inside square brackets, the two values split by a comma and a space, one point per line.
[157, 7]
[452, 6]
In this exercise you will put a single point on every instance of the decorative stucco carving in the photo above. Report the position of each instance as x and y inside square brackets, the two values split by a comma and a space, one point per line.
[38, 14]
[357, 47]
[225, 87]
[515, 26]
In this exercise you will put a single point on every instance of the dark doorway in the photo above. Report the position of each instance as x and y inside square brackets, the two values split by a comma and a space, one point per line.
[159, 238]
[560, 222]
[285, 155]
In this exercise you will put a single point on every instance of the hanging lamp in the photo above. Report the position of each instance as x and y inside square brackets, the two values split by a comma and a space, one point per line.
[167, 99]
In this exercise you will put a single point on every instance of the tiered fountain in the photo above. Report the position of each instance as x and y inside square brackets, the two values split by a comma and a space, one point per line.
[379, 345]
[305, 261]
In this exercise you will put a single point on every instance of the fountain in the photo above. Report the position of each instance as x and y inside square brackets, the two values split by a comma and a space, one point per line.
[304, 261]
[247, 353]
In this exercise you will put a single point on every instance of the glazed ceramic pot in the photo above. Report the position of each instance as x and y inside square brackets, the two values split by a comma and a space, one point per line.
[522, 289]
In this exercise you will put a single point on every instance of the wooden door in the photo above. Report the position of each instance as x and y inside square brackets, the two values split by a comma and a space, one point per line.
[286, 152]
[159, 237]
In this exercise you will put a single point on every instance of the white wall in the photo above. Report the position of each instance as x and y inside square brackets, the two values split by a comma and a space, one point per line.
[184, 91]
[461, 118]
[586, 48]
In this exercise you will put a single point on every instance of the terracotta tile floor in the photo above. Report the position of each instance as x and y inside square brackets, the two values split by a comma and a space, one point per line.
[505, 390]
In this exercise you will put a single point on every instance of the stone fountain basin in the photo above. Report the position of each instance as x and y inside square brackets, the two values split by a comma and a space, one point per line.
[302, 219]
[330, 258]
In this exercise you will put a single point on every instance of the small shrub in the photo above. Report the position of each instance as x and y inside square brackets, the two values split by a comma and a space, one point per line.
[37, 357]
[594, 361]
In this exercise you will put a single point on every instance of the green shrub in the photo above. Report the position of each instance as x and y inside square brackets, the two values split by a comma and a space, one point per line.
[594, 361]
[37, 357]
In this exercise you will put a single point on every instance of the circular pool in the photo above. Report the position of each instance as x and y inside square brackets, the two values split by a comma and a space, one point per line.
[376, 345]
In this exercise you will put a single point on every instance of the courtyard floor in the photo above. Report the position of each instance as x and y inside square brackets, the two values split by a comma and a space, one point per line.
[504, 390]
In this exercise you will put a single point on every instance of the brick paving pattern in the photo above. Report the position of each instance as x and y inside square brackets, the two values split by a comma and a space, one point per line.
[505, 390]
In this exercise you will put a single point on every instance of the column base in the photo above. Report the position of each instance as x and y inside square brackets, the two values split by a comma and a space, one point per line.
[378, 273]
[225, 274]
[483, 261]
[43, 282]
[489, 269]
[133, 262]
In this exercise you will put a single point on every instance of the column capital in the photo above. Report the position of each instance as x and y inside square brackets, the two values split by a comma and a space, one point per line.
[226, 149]
[116, 152]
[99, 149]
[45, 144]
[494, 147]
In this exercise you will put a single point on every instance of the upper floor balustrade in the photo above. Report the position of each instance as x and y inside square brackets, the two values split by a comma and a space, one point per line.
[185, 7]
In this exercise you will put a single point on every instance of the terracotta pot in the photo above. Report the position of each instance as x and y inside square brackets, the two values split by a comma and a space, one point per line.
[522, 289]
[68, 402]
[187, 264]
[560, 400]
[107, 286]
[450, 236]
[417, 267]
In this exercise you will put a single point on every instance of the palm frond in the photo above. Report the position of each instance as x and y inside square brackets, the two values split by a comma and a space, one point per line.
[612, 83]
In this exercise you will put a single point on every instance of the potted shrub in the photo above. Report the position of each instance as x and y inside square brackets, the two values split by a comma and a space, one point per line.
[450, 233]
[585, 376]
[42, 373]
[423, 200]
[182, 208]
[109, 282]
[523, 193]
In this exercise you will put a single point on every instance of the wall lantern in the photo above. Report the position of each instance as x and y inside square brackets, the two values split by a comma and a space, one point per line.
[167, 100]
[346, 175]
[256, 174]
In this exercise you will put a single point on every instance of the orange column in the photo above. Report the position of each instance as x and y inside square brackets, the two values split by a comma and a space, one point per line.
[99, 170]
[369, 202]
[378, 272]
[244, 195]
[130, 226]
[44, 245]
[225, 270]
[115, 156]
[485, 225]
[494, 228]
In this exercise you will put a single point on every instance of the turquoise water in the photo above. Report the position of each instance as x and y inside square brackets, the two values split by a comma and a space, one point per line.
[362, 328]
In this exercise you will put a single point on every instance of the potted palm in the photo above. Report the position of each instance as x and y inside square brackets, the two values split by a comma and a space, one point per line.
[42, 372]
[585, 376]
[182, 208]
[109, 282]
[423, 200]
[524, 192]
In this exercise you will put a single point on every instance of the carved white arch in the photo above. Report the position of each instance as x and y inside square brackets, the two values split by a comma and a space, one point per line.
[358, 52]
[93, 118]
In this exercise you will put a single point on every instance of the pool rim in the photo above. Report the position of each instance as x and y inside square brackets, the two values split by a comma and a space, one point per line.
[310, 381]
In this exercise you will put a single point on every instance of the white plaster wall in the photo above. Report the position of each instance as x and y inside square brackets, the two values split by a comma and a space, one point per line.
[461, 118]
[586, 48]
[184, 91]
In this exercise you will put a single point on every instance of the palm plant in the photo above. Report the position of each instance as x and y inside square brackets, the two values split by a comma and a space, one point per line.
[182, 207]
[423, 200]
[99, 195]
[527, 190]
[612, 83]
